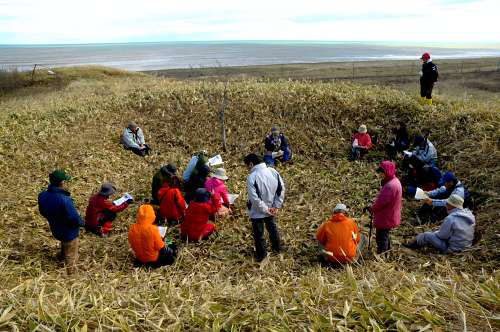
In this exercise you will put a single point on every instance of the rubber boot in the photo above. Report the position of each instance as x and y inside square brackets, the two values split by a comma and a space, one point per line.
[429, 101]
[411, 245]
[422, 100]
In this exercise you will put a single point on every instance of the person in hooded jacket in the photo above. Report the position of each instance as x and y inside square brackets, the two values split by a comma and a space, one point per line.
[146, 242]
[172, 204]
[455, 234]
[195, 226]
[386, 209]
[361, 143]
[428, 76]
[165, 173]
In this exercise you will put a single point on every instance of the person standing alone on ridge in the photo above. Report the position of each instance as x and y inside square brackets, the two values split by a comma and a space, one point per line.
[428, 76]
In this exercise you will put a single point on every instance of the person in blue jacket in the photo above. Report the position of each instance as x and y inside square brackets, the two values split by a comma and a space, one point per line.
[56, 205]
[277, 147]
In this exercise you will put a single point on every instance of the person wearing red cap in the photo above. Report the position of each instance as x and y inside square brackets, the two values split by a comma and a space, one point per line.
[428, 76]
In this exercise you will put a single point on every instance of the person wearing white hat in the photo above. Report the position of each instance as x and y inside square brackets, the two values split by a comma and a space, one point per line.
[216, 185]
[361, 143]
[455, 234]
[339, 239]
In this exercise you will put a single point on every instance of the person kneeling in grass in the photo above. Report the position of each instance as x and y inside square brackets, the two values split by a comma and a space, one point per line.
[361, 143]
[146, 242]
[339, 239]
[195, 226]
[216, 185]
[172, 204]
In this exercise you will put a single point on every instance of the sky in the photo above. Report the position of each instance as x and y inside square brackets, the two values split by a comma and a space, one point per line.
[108, 21]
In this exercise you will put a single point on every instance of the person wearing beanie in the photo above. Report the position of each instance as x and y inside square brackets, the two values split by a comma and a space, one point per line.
[195, 226]
[339, 239]
[428, 76]
[56, 205]
[163, 174]
[277, 147]
[361, 143]
[434, 208]
[386, 208]
[216, 185]
[145, 240]
[101, 212]
[456, 232]
[133, 139]
[172, 204]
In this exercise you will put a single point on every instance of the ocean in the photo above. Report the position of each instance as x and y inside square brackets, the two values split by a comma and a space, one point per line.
[168, 55]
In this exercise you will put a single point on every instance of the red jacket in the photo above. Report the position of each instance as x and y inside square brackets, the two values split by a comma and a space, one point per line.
[97, 205]
[172, 204]
[387, 206]
[197, 215]
[364, 140]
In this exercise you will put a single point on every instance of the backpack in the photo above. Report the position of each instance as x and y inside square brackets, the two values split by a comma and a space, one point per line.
[435, 73]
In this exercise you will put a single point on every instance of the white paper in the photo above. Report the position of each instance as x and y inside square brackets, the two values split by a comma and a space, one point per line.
[407, 153]
[231, 197]
[355, 143]
[162, 230]
[122, 199]
[215, 161]
[420, 194]
[277, 154]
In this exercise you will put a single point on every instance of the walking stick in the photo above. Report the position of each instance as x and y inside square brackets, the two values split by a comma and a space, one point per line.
[367, 209]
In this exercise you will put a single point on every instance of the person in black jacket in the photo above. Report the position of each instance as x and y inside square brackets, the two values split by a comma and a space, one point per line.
[428, 76]
[400, 142]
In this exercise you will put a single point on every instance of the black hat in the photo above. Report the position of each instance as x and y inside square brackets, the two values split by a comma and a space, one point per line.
[201, 195]
[107, 189]
[169, 169]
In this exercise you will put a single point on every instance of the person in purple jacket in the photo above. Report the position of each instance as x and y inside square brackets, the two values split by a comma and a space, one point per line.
[386, 209]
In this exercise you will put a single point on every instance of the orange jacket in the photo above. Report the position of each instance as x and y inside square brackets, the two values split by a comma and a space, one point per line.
[340, 236]
[144, 237]
[172, 204]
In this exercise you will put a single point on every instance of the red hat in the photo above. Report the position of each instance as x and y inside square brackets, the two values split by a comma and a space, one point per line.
[425, 56]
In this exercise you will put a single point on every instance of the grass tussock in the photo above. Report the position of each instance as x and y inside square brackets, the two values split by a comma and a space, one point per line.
[216, 285]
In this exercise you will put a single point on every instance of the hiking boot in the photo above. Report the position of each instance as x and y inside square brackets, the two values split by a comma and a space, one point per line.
[411, 245]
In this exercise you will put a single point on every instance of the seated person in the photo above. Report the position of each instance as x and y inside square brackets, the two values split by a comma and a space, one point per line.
[101, 211]
[339, 238]
[133, 139]
[434, 208]
[216, 185]
[455, 234]
[424, 153]
[172, 204]
[146, 242]
[195, 225]
[361, 143]
[165, 173]
[277, 147]
[196, 180]
[400, 142]
[195, 164]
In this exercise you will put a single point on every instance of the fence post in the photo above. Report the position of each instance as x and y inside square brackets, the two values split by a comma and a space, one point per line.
[353, 71]
[33, 74]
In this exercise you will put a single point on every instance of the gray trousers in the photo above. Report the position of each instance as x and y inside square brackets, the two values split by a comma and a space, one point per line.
[430, 239]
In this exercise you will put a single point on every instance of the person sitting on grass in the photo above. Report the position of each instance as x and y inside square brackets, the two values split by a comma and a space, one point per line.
[339, 239]
[195, 226]
[195, 165]
[216, 185]
[101, 212]
[164, 174]
[146, 242]
[361, 143]
[277, 147]
[423, 154]
[133, 139]
[455, 234]
[172, 204]
[196, 180]
[400, 142]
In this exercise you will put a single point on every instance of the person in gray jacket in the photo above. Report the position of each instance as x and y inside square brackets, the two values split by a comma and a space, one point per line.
[455, 234]
[133, 139]
[266, 193]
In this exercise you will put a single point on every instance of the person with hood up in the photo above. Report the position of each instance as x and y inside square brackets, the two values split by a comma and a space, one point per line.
[434, 208]
[428, 76]
[277, 147]
[146, 242]
[455, 234]
[216, 185]
[133, 139]
[361, 143]
[172, 204]
[56, 205]
[339, 239]
[386, 209]
[195, 226]
[101, 212]
[165, 173]
[400, 142]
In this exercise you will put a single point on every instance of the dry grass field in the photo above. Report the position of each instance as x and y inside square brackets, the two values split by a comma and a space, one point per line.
[73, 120]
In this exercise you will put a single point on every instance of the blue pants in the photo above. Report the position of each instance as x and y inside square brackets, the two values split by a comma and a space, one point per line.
[430, 239]
[268, 159]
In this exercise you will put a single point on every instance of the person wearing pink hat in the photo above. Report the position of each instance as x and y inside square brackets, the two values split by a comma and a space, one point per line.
[428, 76]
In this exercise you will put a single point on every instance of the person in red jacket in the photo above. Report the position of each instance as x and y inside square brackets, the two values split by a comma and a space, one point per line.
[386, 209]
[172, 204]
[101, 212]
[195, 225]
[361, 143]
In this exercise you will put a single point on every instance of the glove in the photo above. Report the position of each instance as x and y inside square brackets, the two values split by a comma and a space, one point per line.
[130, 201]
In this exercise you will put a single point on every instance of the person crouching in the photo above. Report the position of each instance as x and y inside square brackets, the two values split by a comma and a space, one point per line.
[195, 226]
[361, 143]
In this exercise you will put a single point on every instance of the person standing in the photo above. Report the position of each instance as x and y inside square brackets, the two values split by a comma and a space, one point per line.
[266, 193]
[56, 205]
[386, 209]
[133, 139]
[428, 76]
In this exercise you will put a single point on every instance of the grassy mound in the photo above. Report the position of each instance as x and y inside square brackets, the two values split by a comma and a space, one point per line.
[215, 284]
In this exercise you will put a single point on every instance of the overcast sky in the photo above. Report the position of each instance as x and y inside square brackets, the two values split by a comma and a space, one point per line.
[95, 21]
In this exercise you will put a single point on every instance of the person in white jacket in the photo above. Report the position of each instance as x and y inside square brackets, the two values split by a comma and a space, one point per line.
[266, 193]
[133, 139]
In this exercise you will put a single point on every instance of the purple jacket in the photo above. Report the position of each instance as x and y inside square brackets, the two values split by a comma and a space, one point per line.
[387, 206]
[218, 186]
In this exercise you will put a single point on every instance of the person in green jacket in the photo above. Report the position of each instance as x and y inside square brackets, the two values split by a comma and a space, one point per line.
[165, 173]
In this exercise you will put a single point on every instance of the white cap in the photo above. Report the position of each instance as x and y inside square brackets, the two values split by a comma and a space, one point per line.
[340, 208]
[455, 201]
[220, 173]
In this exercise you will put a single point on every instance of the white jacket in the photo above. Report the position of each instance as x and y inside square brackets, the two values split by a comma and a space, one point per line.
[131, 140]
[265, 189]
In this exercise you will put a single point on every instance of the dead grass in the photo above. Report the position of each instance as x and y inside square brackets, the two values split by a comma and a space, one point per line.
[216, 285]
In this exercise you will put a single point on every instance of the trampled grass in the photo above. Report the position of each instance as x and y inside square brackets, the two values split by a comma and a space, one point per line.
[216, 285]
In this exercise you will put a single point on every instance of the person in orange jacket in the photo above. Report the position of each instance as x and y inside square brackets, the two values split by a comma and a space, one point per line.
[195, 225]
[146, 242]
[172, 204]
[339, 238]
